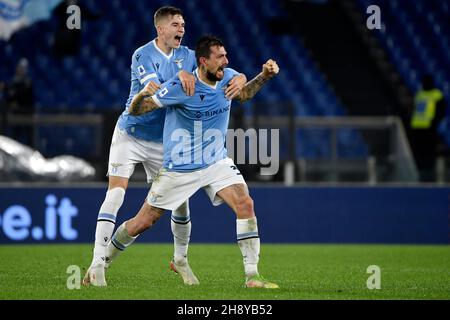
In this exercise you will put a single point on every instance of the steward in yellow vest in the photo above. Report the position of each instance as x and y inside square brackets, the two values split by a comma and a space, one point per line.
[429, 110]
[425, 103]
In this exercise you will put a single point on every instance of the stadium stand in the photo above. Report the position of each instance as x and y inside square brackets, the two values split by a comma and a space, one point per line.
[96, 80]
[412, 49]
[71, 84]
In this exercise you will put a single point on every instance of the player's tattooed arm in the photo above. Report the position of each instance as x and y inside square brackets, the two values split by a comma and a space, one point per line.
[251, 88]
[143, 102]
[269, 70]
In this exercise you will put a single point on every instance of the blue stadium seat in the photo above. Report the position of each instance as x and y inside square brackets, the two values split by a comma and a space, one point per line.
[421, 28]
[105, 56]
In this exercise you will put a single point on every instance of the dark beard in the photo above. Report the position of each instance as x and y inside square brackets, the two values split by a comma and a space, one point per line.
[211, 77]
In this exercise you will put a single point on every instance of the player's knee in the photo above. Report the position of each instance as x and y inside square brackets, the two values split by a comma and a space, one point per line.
[114, 197]
[245, 205]
[112, 203]
[182, 211]
[117, 182]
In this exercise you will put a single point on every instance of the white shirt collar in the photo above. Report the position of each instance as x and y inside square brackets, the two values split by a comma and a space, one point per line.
[162, 52]
[207, 84]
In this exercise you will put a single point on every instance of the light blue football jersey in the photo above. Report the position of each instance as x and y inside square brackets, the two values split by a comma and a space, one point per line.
[195, 128]
[149, 63]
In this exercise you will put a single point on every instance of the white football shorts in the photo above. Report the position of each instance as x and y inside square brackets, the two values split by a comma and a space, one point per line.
[170, 189]
[126, 151]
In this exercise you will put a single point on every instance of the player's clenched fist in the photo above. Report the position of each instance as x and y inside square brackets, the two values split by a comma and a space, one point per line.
[270, 68]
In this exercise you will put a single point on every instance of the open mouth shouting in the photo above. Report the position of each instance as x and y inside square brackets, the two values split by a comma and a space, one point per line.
[178, 40]
[219, 72]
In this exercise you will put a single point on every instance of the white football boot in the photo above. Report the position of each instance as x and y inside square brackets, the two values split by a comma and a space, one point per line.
[183, 269]
[95, 275]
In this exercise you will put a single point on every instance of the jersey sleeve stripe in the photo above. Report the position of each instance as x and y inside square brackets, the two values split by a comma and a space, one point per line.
[149, 76]
[158, 103]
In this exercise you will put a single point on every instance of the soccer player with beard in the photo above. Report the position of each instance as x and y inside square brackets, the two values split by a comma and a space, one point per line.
[139, 139]
[195, 155]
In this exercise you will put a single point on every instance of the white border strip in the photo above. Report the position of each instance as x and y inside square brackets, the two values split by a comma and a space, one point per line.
[158, 103]
[151, 75]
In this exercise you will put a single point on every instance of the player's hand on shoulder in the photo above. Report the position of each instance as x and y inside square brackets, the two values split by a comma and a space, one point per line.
[151, 88]
[236, 84]
[270, 68]
[187, 81]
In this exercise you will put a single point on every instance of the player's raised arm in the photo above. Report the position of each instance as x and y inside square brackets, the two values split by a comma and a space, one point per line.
[269, 70]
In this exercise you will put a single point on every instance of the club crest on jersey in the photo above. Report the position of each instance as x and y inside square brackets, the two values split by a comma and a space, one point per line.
[178, 62]
[153, 196]
[114, 167]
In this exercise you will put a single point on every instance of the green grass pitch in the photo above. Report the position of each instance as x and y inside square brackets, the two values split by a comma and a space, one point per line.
[302, 271]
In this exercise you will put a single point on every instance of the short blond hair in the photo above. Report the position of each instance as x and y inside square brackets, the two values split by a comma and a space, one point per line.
[165, 12]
